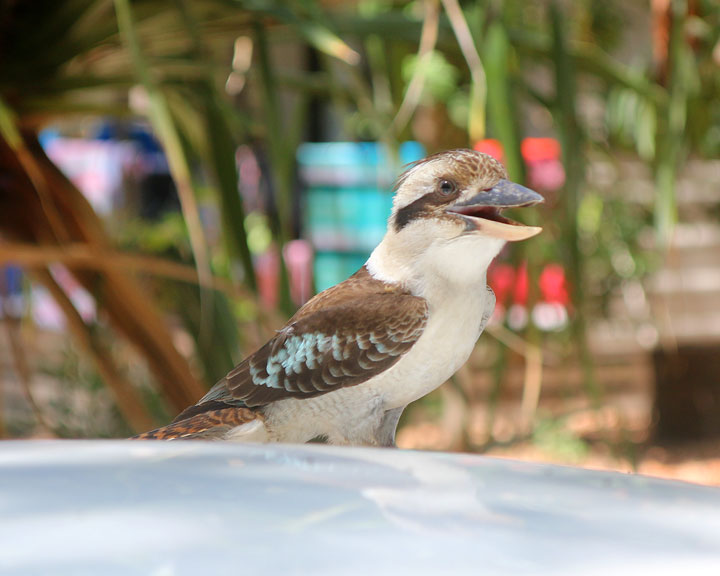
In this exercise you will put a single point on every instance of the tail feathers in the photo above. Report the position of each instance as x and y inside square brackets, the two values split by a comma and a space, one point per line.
[201, 407]
[210, 425]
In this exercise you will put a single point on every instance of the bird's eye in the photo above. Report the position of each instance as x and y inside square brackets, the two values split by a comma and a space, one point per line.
[447, 187]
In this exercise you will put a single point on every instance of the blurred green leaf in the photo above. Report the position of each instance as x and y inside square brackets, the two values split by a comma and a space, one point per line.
[502, 110]
[441, 77]
[551, 436]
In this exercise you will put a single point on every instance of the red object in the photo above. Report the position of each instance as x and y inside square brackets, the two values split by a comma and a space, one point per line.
[553, 285]
[501, 277]
[542, 157]
[520, 294]
[532, 149]
[267, 272]
[491, 147]
[511, 285]
[540, 149]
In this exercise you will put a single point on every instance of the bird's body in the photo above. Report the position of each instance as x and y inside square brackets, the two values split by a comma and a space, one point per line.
[355, 414]
[351, 359]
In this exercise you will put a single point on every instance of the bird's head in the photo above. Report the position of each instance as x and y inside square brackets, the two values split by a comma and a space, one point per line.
[446, 218]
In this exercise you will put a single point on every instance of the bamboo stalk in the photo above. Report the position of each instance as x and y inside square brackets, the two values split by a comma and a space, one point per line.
[572, 152]
[671, 130]
[503, 111]
[590, 58]
[282, 160]
[428, 40]
[519, 345]
[532, 386]
[221, 154]
[478, 96]
[166, 129]
[501, 98]
[499, 369]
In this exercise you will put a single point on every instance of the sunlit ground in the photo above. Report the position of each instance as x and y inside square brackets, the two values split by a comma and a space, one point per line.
[581, 442]
[616, 432]
[617, 435]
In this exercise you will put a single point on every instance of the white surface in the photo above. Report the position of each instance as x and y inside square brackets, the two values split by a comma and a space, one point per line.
[175, 508]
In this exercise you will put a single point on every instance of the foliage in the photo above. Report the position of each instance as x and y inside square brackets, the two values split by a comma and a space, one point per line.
[446, 73]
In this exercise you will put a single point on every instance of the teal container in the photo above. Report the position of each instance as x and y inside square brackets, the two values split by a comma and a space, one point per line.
[347, 200]
[330, 268]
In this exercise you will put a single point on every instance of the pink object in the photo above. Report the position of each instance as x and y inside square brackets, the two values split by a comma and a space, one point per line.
[267, 271]
[298, 256]
[96, 167]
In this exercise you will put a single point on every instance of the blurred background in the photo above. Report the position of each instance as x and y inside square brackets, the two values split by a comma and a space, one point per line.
[177, 177]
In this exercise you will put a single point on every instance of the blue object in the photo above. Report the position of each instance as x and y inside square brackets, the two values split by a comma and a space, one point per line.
[47, 135]
[333, 267]
[12, 279]
[348, 198]
[341, 163]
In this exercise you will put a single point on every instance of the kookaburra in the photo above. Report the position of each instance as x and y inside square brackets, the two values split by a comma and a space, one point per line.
[350, 360]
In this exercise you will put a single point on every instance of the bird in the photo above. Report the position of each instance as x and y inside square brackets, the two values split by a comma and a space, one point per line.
[345, 366]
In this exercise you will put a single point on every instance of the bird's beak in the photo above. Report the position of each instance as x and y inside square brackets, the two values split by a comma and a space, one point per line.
[482, 211]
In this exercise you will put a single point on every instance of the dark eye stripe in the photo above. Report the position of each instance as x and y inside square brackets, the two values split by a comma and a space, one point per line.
[408, 213]
[446, 189]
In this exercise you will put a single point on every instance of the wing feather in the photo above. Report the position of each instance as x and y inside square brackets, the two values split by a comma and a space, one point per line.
[331, 348]
[342, 337]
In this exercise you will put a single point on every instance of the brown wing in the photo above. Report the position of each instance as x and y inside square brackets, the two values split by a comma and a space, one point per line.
[342, 338]
[209, 424]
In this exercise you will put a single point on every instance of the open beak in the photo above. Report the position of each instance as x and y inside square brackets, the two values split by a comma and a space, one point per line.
[482, 211]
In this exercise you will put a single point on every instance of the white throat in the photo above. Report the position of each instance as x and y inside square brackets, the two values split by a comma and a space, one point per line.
[438, 271]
